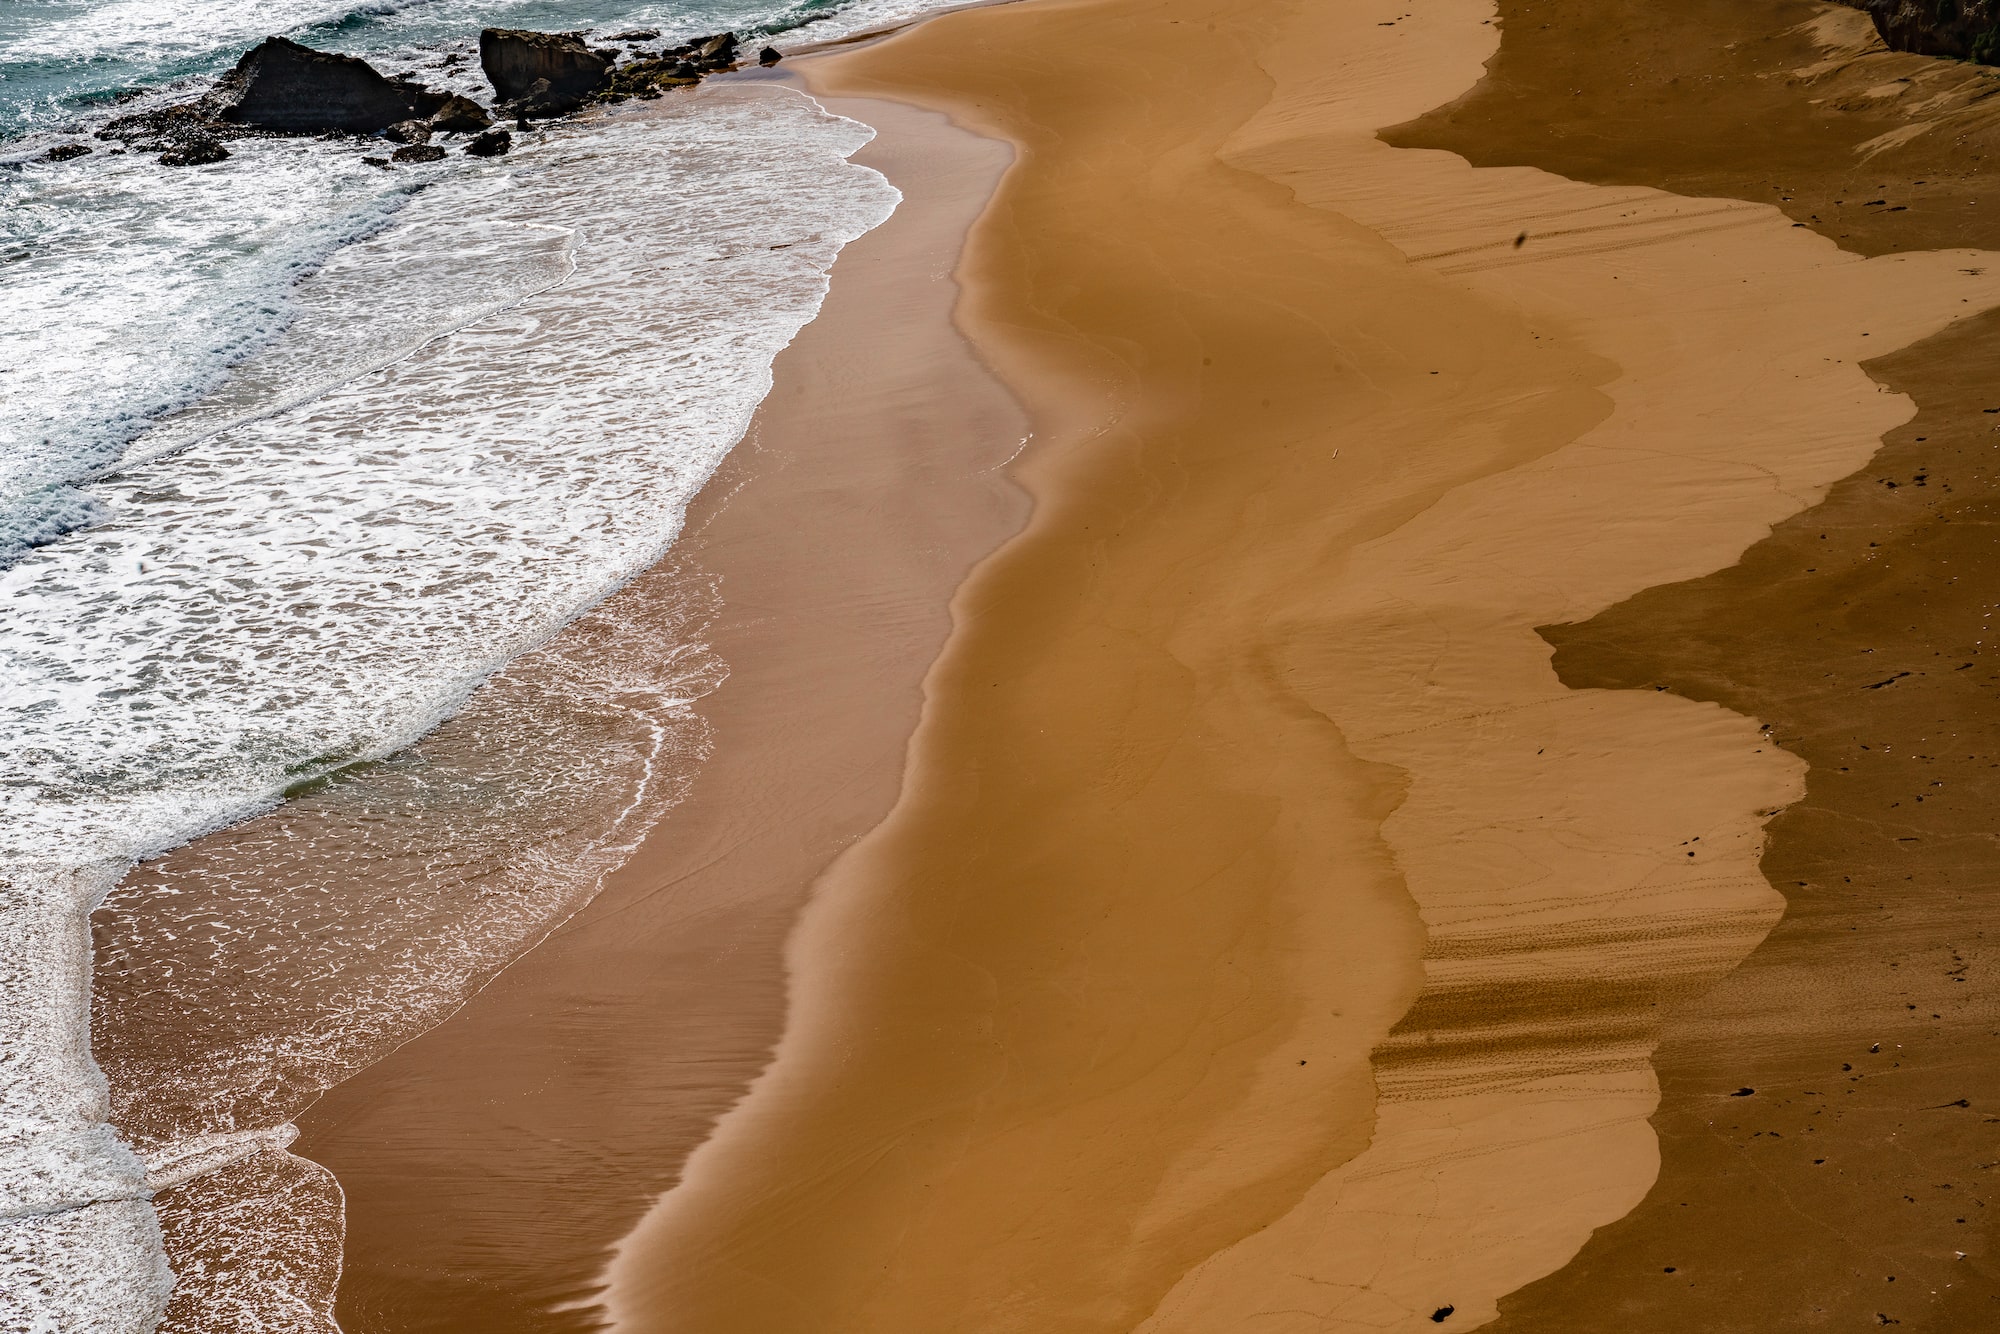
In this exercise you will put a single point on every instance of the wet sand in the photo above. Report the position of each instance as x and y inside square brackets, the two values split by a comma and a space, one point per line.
[488, 1164]
[1248, 743]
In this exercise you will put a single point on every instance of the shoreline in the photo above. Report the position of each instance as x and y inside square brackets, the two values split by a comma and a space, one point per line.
[481, 1160]
[274, 650]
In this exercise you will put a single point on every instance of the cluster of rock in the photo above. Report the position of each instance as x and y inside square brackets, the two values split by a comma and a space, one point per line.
[548, 73]
[280, 87]
[1956, 29]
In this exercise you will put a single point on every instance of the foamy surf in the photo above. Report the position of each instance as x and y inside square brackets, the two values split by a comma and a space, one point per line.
[318, 567]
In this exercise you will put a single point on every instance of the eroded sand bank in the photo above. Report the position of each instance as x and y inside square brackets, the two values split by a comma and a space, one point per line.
[1248, 742]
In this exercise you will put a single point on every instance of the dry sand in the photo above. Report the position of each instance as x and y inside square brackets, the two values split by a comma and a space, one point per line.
[1250, 735]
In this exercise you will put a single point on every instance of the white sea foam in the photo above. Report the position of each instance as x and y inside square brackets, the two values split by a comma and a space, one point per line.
[146, 28]
[131, 288]
[321, 584]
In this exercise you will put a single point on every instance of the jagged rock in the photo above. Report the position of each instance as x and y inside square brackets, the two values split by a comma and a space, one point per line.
[418, 153]
[493, 143]
[381, 162]
[280, 85]
[408, 132]
[515, 61]
[194, 152]
[648, 78]
[542, 100]
[714, 53]
[160, 120]
[166, 129]
[463, 115]
[64, 152]
[636, 35]
[1959, 29]
[423, 102]
[769, 56]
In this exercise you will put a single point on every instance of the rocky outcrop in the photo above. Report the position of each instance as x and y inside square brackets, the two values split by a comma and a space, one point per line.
[1958, 29]
[515, 61]
[408, 132]
[650, 78]
[194, 152]
[186, 135]
[678, 68]
[540, 100]
[461, 115]
[712, 53]
[418, 153]
[769, 56]
[280, 85]
[64, 152]
[493, 143]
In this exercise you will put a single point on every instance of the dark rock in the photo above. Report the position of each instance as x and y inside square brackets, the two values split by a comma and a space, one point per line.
[636, 35]
[194, 152]
[408, 132]
[610, 53]
[648, 78]
[167, 128]
[714, 53]
[1438, 1316]
[1959, 29]
[462, 115]
[493, 143]
[64, 152]
[147, 124]
[280, 85]
[515, 60]
[423, 102]
[769, 56]
[542, 100]
[381, 162]
[418, 153]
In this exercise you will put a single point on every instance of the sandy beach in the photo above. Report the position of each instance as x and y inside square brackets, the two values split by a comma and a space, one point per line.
[1348, 647]
[1081, 1035]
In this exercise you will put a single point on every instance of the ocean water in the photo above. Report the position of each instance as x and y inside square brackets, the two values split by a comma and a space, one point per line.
[299, 460]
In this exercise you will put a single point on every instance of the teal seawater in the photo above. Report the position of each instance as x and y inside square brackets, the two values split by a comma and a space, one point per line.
[62, 59]
[132, 288]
